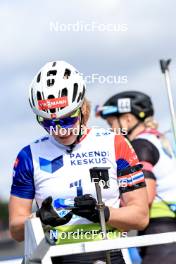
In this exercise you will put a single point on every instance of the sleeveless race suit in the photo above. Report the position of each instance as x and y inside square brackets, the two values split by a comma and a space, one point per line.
[159, 164]
[46, 168]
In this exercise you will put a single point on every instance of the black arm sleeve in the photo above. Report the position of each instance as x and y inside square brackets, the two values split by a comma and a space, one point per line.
[146, 151]
[149, 175]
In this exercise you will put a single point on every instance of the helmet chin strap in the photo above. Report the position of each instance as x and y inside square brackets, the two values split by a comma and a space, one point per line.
[131, 129]
[71, 147]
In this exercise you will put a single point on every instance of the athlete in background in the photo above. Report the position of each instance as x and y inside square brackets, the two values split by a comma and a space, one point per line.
[133, 111]
[54, 170]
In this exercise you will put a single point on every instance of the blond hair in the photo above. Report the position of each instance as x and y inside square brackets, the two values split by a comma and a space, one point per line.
[150, 122]
[85, 109]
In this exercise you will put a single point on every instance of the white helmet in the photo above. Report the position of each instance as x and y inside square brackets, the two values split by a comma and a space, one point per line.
[57, 90]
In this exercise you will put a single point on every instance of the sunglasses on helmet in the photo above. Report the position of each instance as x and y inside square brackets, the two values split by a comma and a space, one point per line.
[105, 110]
[65, 122]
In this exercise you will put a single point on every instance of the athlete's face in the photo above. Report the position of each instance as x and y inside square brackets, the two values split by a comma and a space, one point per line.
[67, 136]
[66, 129]
[113, 122]
[124, 122]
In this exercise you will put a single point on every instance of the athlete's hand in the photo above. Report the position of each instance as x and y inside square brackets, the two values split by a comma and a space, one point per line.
[86, 206]
[48, 216]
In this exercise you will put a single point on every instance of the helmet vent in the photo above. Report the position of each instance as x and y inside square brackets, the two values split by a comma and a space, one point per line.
[51, 72]
[54, 64]
[75, 91]
[38, 77]
[50, 82]
[140, 105]
[52, 110]
[39, 96]
[64, 93]
[43, 99]
[83, 93]
[32, 97]
[67, 73]
[30, 103]
[79, 97]
[43, 96]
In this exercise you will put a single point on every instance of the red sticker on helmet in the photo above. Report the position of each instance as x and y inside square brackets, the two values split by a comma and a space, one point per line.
[53, 103]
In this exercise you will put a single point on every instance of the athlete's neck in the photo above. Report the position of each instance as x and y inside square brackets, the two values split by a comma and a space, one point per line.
[136, 131]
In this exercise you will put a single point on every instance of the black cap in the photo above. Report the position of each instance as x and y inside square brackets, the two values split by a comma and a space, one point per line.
[137, 103]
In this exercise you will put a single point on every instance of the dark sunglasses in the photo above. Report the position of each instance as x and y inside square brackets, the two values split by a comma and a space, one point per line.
[65, 122]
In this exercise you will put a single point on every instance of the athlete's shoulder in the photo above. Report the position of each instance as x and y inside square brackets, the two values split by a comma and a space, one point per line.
[146, 150]
[150, 134]
[25, 152]
[23, 159]
[42, 139]
[23, 171]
